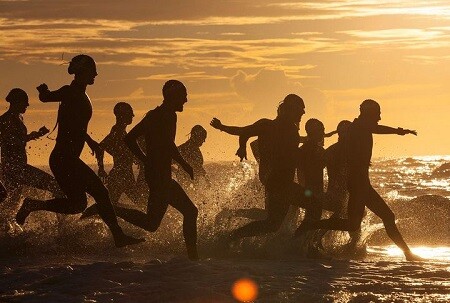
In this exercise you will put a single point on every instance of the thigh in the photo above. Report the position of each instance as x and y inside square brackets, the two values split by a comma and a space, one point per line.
[178, 198]
[277, 205]
[357, 202]
[157, 206]
[377, 205]
[69, 174]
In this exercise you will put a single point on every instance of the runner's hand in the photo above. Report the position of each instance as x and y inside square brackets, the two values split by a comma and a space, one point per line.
[42, 88]
[242, 153]
[216, 123]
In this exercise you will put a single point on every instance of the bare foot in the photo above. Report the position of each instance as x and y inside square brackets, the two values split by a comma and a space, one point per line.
[412, 257]
[125, 240]
[23, 212]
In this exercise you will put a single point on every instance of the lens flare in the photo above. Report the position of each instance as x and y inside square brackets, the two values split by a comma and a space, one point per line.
[245, 290]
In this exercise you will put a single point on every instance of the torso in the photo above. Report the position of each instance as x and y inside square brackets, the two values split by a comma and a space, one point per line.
[13, 140]
[159, 139]
[74, 114]
[278, 145]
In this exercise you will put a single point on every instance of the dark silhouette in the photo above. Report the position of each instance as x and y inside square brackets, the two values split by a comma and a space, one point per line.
[13, 140]
[360, 144]
[335, 199]
[190, 151]
[278, 141]
[257, 213]
[336, 157]
[159, 129]
[120, 179]
[74, 177]
[311, 162]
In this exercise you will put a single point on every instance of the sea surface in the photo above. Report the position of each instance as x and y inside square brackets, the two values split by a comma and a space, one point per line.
[65, 259]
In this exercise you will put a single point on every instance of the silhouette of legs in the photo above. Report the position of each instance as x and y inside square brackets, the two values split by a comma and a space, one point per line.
[31, 176]
[356, 206]
[118, 182]
[160, 198]
[76, 179]
[278, 201]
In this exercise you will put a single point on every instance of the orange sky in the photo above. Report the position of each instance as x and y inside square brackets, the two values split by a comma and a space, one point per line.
[238, 59]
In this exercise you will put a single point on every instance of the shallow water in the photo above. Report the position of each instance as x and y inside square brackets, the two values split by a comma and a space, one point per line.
[62, 259]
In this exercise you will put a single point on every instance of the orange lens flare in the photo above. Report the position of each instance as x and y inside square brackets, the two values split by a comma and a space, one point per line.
[245, 290]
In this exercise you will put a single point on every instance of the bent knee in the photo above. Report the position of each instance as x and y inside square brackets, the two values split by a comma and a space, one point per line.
[354, 225]
[153, 226]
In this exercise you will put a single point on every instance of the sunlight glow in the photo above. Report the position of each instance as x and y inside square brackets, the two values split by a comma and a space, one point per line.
[427, 252]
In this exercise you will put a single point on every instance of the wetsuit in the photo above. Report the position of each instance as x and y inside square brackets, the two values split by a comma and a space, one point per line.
[159, 129]
[16, 172]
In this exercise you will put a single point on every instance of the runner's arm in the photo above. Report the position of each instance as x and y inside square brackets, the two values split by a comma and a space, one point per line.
[387, 130]
[45, 95]
[131, 139]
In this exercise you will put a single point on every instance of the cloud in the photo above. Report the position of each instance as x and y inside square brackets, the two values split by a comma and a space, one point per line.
[268, 87]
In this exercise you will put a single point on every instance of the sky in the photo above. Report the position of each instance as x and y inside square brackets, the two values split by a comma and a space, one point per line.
[238, 60]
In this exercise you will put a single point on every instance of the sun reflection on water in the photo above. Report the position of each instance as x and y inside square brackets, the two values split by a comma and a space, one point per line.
[432, 253]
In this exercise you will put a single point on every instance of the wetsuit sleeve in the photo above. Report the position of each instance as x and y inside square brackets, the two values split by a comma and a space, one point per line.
[387, 130]
[252, 130]
[54, 96]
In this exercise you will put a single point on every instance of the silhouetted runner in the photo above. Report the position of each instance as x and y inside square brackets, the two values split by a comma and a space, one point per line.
[335, 199]
[311, 162]
[362, 194]
[190, 151]
[278, 141]
[259, 213]
[74, 177]
[13, 140]
[159, 129]
[120, 179]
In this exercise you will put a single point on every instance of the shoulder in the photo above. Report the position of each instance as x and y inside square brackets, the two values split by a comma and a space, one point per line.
[66, 89]
[263, 123]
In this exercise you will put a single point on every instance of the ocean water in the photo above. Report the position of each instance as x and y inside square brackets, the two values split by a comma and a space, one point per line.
[63, 259]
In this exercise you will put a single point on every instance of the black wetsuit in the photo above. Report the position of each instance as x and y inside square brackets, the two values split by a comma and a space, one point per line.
[278, 146]
[16, 172]
[159, 128]
[73, 175]
[311, 162]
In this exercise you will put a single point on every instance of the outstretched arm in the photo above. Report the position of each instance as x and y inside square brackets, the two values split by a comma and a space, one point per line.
[131, 140]
[45, 95]
[334, 132]
[387, 130]
[246, 131]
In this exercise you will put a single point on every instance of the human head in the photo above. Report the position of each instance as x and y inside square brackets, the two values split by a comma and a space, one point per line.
[84, 69]
[124, 113]
[342, 129]
[370, 111]
[315, 131]
[18, 100]
[291, 109]
[175, 95]
[198, 135]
